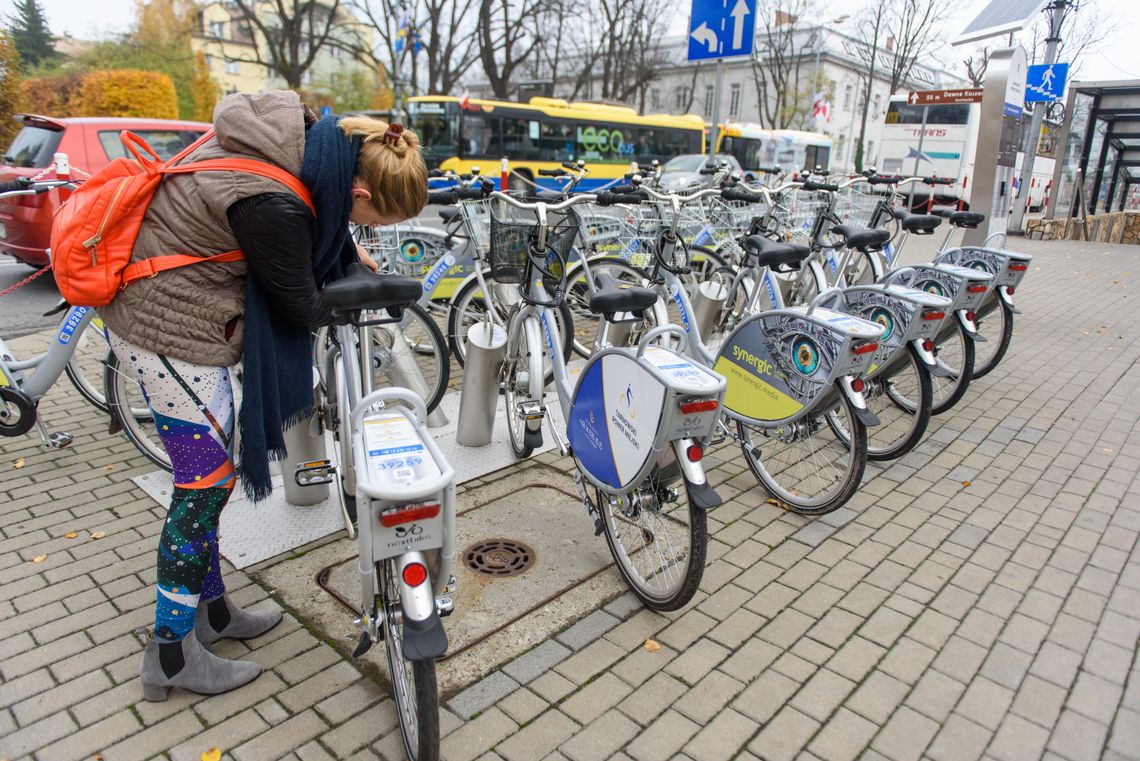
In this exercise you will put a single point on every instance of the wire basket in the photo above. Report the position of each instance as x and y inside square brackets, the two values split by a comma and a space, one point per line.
[514, 231]
[855, 204]
[797, 211]
[477, 220]
[734, 216]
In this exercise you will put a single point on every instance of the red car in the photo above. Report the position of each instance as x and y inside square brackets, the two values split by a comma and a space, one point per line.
[90, 143]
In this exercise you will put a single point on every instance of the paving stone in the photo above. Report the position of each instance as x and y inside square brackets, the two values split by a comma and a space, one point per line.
[477, 736]
[156, 739]
[588, 629]
[536, 661]
[722, 737]
[877, 698]
[644, 705]
[959, 740]
[663, 738]
[814, 534]
[229, 734]
[522, 705]
[905, 736]
[601, 739]
[822, 694]
[484, 693]
[935, 695]
[708, 697]
[1078, 738]
[785, 736]
[538, 738]
[843, 737]
[696, 661]
[765, 696]
[92, 739]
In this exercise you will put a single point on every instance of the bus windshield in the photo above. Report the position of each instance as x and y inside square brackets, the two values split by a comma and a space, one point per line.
[436, 125]
[946, 113]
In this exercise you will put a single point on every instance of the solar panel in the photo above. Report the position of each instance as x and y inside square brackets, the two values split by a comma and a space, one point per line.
[1000, 17]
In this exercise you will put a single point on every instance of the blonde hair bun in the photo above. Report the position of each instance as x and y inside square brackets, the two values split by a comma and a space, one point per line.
[390, 164]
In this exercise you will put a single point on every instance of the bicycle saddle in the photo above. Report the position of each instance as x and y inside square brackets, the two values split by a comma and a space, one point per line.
[774, 254]
[612, 296]
[362, 288]
[919, 224]
[448, 213]
[970, 219]
[863, 238]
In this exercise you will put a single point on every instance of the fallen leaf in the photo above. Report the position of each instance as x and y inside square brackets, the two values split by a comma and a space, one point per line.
[652, 646]
[98, 534]
[109, 466]
[1107, 450]
[98, 757]
[966, 483]
[71, 535]
[18, 463]
[39, 558]
[213, 754]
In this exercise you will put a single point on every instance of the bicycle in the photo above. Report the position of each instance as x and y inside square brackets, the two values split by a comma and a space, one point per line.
[785, 370]
[636, 420]
[406, 489]
[20, 393]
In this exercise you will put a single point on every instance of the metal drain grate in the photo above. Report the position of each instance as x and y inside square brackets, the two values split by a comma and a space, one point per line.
[499, 557]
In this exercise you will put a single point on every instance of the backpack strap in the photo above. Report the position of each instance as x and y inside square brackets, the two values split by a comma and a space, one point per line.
[156, 264]
[248, 166]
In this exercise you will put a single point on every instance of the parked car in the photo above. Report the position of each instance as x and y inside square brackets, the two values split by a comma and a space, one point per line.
[684, 172]
[90, 144]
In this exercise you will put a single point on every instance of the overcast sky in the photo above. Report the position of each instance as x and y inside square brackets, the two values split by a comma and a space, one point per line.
[1118, 57]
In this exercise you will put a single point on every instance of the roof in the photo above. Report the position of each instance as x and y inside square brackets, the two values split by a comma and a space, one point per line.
[125, 121]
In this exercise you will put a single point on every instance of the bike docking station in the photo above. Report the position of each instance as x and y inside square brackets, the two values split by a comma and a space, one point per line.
[479, 395]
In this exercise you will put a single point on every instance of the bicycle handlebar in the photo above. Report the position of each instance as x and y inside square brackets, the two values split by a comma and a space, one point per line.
[741, 194]
[826, 187]
[611, 197]
[450, 197]
[26, 186]
[552, 172]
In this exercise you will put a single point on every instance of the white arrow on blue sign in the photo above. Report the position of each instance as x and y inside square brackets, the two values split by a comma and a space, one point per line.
[721, 28]
[1045, 82]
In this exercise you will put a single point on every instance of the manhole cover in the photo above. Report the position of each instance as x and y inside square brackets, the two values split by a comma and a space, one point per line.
[499, 557]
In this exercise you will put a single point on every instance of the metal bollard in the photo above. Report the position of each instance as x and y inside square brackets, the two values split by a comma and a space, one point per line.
[479, 397]
[711, 296]
[405, 373]
[305, 442]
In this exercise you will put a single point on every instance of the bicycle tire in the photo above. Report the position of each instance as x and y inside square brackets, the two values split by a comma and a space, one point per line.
[614, 516]
[123, 394]
[415, 692]
[467, 308]
[953, 351]
[894, 401]
[578, 298]
[513, 395]
[89, 391]
[796, 469]
[986, 360]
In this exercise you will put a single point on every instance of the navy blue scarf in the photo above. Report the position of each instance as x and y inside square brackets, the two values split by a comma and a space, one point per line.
[277, 381]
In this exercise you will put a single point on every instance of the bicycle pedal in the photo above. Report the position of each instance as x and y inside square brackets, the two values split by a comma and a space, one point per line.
[314, 473]
[599, 526]
[363, 646]
[444, 606]
[59, 440]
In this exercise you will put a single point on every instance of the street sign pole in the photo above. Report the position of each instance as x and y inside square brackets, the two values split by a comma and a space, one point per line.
[1029, 149]
[714, 132]
[918, 158]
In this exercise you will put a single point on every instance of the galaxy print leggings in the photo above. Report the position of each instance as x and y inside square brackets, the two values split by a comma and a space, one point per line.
[193, 408]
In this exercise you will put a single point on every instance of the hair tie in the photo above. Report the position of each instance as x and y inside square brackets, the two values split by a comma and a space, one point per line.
[392, 136]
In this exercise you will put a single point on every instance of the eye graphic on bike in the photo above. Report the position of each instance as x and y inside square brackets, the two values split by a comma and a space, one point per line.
[412, 251]
[884, 318]
[805, 355]
[932, 287]
[980, 266]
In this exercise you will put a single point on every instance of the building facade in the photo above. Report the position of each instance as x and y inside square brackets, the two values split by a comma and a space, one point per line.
[233, 46]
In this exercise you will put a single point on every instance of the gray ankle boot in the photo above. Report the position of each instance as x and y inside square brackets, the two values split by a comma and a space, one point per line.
[201, 671]
[243, 624]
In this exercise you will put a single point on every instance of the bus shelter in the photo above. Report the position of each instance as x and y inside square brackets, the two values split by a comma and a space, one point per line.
[1099, 161]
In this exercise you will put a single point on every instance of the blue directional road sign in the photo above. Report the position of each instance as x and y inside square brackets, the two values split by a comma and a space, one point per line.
[721, 28]
[1045, 82]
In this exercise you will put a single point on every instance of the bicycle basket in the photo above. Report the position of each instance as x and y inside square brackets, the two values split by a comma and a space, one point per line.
[514, 230]
[797, 211]
[855, 204]
[477, 219]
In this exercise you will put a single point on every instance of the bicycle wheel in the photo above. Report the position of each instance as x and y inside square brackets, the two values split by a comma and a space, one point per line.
[469, 307]
[657, 537]
[901, 400]
[805, 465]
[84, 369]
[414, 686]
[995, 322]
[516, 390]
[129, 410]
[578, 299]
[954, 352]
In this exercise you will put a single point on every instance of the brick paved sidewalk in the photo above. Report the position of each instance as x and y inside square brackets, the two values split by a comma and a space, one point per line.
[980, 598]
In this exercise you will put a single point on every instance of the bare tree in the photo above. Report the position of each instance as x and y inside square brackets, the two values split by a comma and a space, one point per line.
[293, 32]
[616, 48]
[507, 37]
[1079, 32]
[976, 66]
[913, 30]
[873, 27]
[444, 29]
[778, 66]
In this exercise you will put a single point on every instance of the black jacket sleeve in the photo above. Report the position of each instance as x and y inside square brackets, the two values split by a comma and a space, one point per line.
[275, 232]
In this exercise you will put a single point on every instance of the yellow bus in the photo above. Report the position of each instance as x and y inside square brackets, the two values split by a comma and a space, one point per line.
[544, 132]
[756, 147]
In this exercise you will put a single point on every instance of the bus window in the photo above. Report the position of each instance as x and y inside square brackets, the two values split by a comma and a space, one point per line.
[521, 139]
[437, 126]
[606, 143]
[946, 113]
[817, 156]
[479, 136]
[557, 143]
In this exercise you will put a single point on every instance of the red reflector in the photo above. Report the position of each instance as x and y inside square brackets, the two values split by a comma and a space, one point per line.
[1009, 290]
[1018, 267]
[414, 574]
[699, 405]
[928, 345]
[858, 385]
[933, 315]
[394, 516]
[971, 316]
[976, 288]
[864, 348]
[694, 453]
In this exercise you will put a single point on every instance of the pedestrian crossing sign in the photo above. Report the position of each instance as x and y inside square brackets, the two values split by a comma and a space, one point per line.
[1045, 82]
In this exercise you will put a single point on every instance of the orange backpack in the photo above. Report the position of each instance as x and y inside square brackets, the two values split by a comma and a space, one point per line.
[94, 232]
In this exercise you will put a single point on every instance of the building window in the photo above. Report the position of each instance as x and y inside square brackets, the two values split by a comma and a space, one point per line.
[847, 98]
[708, 100]
[335, 52]
[232, 66]
[217, 30]
[878, 102]
[684, 97]
[654, 98]
[734, 104]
